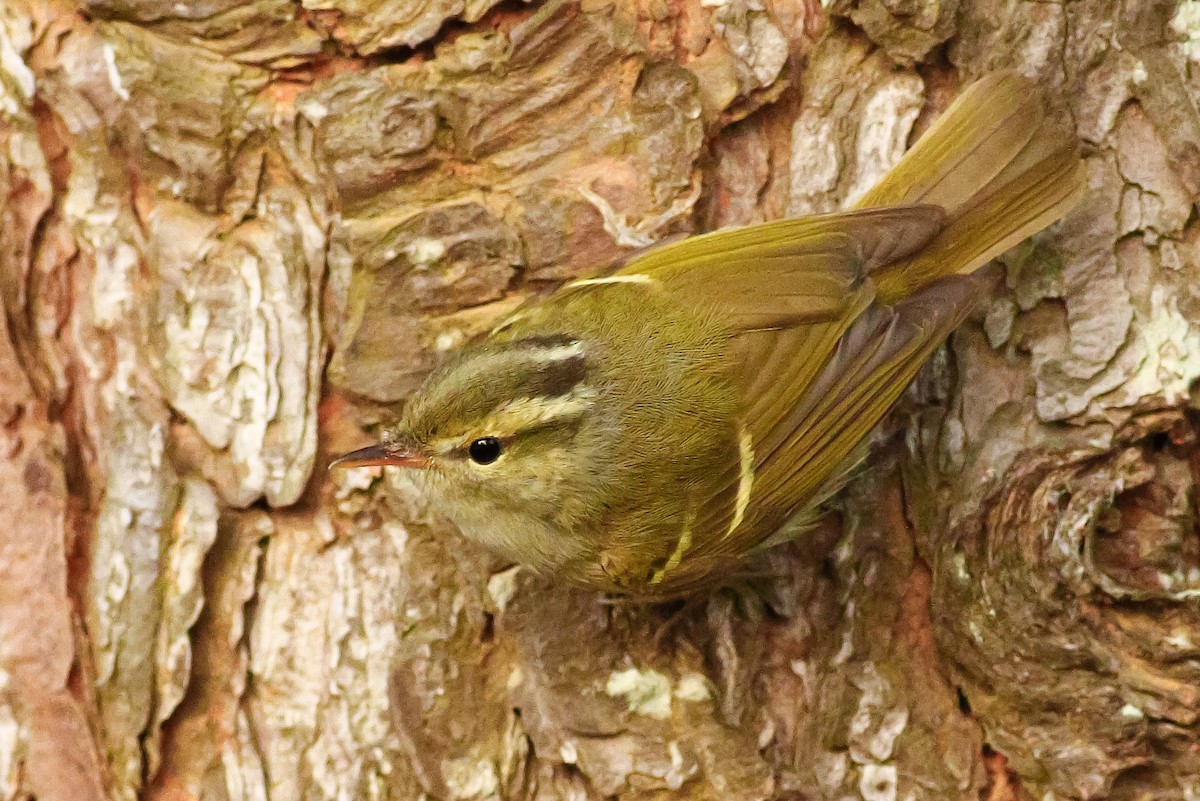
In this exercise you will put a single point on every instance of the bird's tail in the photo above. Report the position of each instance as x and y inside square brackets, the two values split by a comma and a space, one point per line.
[1000, 170]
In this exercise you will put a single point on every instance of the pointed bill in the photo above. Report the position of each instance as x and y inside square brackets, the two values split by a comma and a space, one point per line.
[381, 456]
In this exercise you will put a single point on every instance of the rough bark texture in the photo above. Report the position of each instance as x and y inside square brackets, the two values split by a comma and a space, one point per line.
[234, 234]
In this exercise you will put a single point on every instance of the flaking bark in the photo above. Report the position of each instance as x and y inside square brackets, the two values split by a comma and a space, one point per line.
[234, 235]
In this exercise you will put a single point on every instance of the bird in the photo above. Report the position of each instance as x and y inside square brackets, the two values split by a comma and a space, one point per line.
[647, 429]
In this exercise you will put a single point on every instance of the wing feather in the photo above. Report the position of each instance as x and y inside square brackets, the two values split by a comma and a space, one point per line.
[790, 290]
[833, 316]
[879, 235]
[873, 365]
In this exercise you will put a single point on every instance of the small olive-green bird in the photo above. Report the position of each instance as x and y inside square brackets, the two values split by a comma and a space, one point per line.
[644, 431]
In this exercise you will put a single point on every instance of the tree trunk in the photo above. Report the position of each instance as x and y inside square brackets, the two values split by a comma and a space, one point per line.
[235, 235]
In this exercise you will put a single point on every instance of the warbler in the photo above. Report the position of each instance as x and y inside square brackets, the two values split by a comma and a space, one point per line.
[644, 431]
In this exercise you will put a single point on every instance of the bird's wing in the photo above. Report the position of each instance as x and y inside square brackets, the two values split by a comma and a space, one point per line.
[783, 274]
[874, 362]
[796, 438]
[809, 345]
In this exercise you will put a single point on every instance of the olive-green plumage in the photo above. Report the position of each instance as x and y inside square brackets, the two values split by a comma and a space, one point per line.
[643, 431]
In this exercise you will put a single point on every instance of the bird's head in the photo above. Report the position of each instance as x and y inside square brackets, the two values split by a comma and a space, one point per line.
[510, 441]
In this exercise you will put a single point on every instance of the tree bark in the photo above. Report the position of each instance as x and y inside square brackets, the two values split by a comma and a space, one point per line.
[234, 236]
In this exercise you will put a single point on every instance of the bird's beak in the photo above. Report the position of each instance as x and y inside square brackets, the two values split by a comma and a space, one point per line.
[379, 456]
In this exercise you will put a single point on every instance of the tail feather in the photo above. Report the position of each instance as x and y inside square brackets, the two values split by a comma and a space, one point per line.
[1000, 170]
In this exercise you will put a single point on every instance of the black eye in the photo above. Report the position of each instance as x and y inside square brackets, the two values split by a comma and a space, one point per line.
[484, 450]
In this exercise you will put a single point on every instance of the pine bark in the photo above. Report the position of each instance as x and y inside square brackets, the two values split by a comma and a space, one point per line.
[234, 236]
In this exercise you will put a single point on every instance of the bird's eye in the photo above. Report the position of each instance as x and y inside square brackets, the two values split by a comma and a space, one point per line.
[484, 450]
